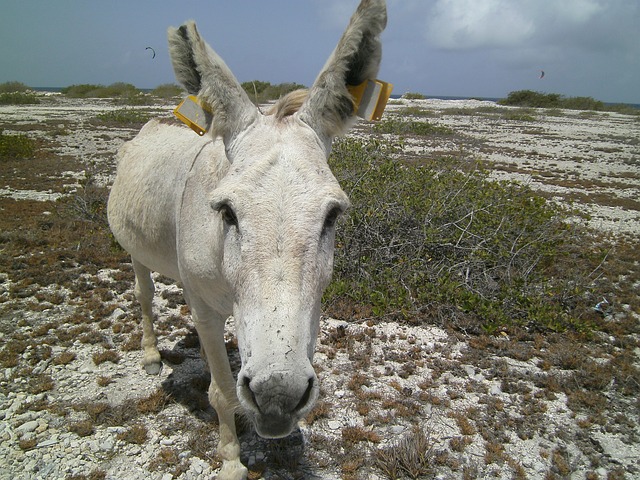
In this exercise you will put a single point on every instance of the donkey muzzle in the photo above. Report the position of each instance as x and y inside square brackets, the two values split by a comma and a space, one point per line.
[276, 399]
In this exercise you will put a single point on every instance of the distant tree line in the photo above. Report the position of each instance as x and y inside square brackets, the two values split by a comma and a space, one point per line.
[261, 92]
[529, 98]
[17, 92]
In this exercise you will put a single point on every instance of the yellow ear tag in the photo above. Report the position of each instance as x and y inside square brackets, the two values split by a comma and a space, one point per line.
[195, 114]
[370, 98]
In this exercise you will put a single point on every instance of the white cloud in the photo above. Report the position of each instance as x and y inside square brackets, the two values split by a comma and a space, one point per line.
[474, 24]
[463, 24]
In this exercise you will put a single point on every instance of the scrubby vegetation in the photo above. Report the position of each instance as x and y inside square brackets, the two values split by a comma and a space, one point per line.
[124, 93]
[529, 98]
[85, 90]
[413, 96]
[16, 93]
[19, 98]
[261, 92]
[167, 90]
[400, 126]
[122, 117]
[438, 242]
[12, 87]
[14, 147]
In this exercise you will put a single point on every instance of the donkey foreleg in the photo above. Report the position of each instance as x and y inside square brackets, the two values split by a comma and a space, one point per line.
[144, 291]
[222, 391]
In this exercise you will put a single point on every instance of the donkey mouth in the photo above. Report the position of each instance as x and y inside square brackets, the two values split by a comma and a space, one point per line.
[275, 426]
[273, 422]
[276, 402]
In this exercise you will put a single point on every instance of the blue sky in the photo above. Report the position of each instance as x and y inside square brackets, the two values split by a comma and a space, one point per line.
[480, 48]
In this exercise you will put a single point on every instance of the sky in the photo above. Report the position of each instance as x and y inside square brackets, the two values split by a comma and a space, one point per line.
[466, 48]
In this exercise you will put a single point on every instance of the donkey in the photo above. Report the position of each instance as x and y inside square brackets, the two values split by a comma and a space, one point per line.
[245, 219]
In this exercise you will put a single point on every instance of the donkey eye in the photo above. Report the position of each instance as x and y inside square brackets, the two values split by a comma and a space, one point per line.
[228, 216]
[330, 219]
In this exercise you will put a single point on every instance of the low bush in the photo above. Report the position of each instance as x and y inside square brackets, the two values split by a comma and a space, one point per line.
[440, 242]
[16, 147]
[84, 90]
[11, 87]
[118, 89]
[413, 96]
[529, 98]
[126, 117]
[18, 98]
[400, 126]
[167, 90]
[519, 115]
[261, 92]
[123, 93]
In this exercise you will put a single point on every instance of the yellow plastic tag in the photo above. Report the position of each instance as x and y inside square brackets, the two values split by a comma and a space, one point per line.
[195, 114]
[370, 98]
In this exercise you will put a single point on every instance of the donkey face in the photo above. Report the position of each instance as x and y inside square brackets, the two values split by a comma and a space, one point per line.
[277, 207]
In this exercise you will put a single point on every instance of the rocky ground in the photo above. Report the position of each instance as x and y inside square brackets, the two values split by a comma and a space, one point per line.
[398, 401]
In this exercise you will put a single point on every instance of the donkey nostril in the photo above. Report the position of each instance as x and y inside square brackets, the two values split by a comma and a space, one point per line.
[305, 398]
[248, 394]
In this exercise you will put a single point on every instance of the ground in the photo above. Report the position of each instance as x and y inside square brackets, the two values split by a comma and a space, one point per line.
[397, 401]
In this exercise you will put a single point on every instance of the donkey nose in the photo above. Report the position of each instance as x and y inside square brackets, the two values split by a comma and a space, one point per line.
[278, 392]
[277, 400]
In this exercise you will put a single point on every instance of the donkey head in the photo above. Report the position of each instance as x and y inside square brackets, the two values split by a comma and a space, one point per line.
[277, 206]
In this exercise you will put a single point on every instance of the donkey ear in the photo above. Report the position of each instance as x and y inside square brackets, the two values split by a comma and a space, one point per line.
[204, 73]
[329, 106]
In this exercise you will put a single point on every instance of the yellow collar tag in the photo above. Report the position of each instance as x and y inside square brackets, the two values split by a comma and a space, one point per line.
[195, 114]
[370, 98]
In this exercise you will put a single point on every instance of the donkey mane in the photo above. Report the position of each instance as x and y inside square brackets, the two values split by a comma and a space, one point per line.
[288, 104]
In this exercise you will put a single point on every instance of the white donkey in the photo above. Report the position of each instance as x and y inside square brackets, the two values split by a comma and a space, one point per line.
[245, 220]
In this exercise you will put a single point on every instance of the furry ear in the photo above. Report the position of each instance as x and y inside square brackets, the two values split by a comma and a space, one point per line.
[329, 106]
[204, 73]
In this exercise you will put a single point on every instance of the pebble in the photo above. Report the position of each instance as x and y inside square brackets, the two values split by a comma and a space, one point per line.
[47, 443]
[107, 444]
[495, 389]
[334, 425]
[27, 427]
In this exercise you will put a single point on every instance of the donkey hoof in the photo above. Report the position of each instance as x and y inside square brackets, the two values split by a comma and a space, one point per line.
[233, 470]
[153, 368]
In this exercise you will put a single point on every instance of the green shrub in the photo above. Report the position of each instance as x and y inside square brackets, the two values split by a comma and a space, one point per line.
[18, 98]
[15, 147]
[11, 87]
[261, 92]
[582, 103]
[122, 117]
[84, 90]
[400, 126]
[528, 98]
[440, 242]
[417, 112]
[413, 96]
[123, 92]
[519, 114]
[168, 90]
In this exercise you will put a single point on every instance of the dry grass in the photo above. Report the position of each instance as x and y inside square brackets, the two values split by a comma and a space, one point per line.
[137, 434]
[411, 456]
